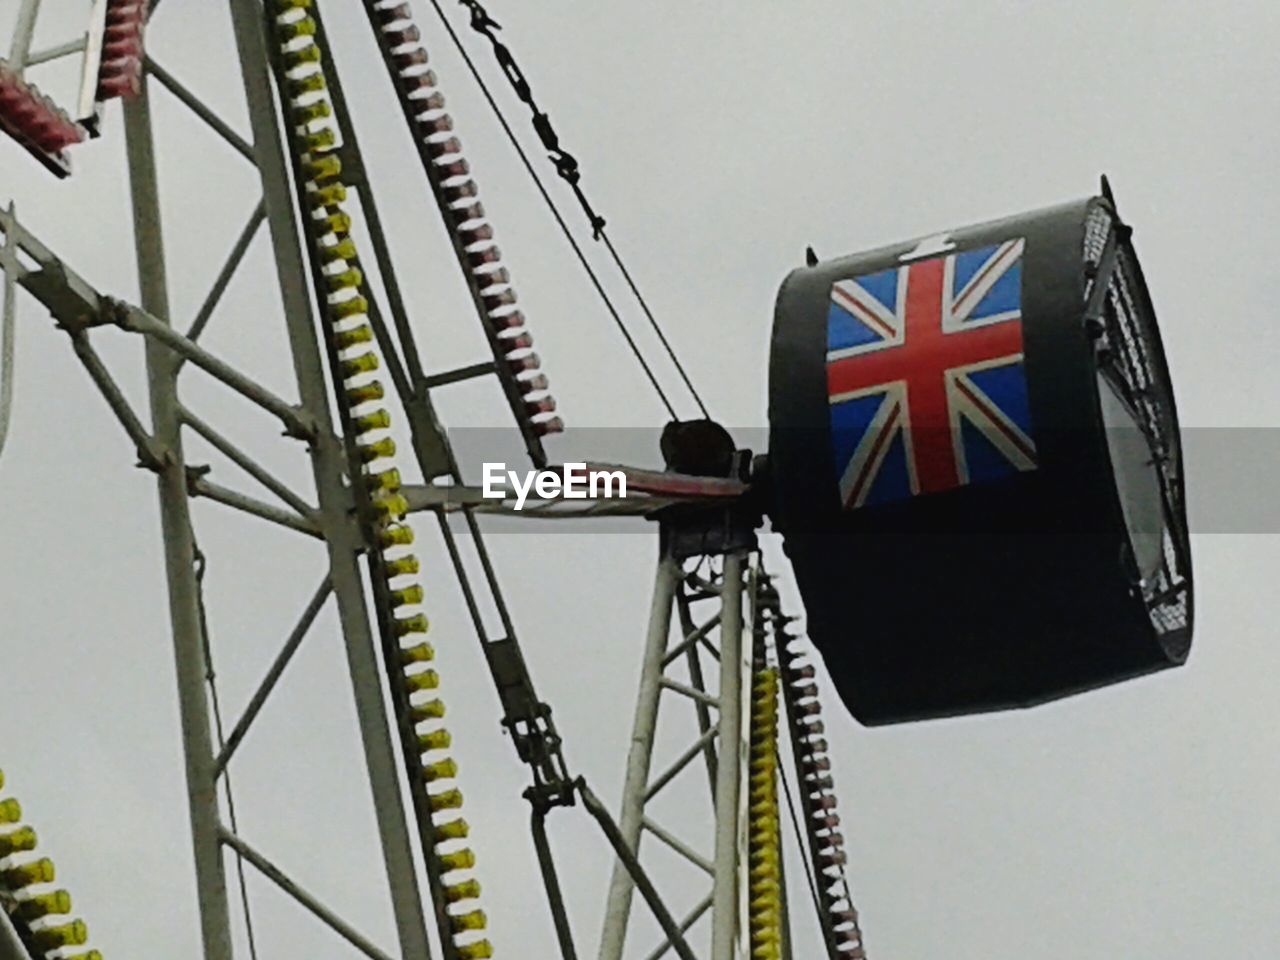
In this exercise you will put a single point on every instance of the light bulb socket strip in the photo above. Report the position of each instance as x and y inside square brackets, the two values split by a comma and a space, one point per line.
[456, 194]
[341, 290]
[120, 67]
[39, 125]
[764, 841]
[37, 911]
[818, 804]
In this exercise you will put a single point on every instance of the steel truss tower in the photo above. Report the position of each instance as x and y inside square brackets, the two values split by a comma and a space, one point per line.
[357, 515]
[719, 743]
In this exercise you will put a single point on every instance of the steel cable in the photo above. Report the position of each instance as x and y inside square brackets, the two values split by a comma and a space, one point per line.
[211, 678]
[800, 839]
[567, 167]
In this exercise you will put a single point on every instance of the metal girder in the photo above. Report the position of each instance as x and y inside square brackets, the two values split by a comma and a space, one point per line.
[200, 109]
[73, 301]
[249, 465]
[8, 318]
[328, 458]
[179, 544]
[23, 30]
[293, 889]
[228, 270]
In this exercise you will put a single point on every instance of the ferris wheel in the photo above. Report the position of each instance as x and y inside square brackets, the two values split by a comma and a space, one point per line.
[985, 406]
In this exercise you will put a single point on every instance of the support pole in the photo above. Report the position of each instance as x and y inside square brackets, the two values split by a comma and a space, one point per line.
[228, 270]
[56, 53]
[198, 107]
[141, 321]
[328, 458]
[8, 318]
[318, 909]
[256, 702]
[179, 550]
[23, 31]
[622, 885]
[550, 880]
[11, 948]
[639, 877]
[729, 820]
[150, 454]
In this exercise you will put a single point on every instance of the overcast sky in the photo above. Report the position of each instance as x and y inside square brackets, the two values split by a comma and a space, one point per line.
[718, 139]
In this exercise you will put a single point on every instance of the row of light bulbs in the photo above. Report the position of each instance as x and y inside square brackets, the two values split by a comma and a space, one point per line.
[316, 145]
[25, 892]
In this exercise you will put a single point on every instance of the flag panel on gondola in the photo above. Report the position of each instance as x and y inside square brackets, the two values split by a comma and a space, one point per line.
[925, 376]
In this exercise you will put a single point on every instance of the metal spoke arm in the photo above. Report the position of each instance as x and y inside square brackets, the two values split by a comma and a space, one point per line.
[525, 715]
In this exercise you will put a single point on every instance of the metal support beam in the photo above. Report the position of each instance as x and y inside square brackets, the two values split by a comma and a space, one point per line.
[724, 906]
[11, 947]
[297, 424]
[228, 270]
[720, 739]
[88, 107]
[635, 871]
[57, 52]
[199, 486]
[692, 637]
[683, 761]
[249, 465]
[551, 881]
[323, 913]
[328, 462]
[690, 919]
[150, 453]
[699, 696]
[259, 698]
[695, 638]
[179, 547]
[197, 106]
[680, 847]
[639, 758]
[64, 293]
[481, 369]
[23, 31]
[8, 318]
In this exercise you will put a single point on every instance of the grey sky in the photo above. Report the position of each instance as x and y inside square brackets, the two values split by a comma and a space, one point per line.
[718, 139]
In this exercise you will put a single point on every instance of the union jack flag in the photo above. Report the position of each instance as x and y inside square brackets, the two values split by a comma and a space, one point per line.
[925, 376]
